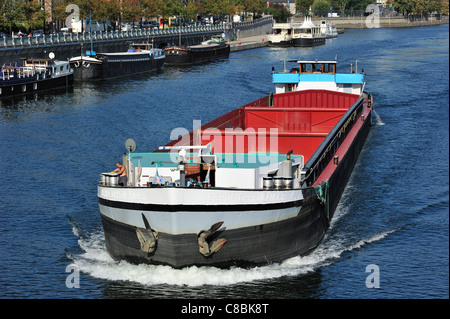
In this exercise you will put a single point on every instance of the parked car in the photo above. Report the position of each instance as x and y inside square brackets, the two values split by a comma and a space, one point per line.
[126, 27]
[148, 25]
[37, 33]
[66, 31]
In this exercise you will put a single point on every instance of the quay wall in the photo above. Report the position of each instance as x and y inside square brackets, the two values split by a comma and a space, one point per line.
[384, 22]
[252, 28]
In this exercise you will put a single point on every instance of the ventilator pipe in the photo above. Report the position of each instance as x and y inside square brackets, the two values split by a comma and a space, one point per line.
[288, 155]
[181, 168]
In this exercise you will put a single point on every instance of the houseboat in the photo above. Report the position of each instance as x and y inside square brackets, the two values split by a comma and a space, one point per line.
[281, 35]
[35, 75]
[140, 58]
[307, 34]
[257, 185]
[212, 49]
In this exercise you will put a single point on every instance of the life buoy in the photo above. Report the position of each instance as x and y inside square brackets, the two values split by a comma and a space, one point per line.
[76, 64]
[86, 64]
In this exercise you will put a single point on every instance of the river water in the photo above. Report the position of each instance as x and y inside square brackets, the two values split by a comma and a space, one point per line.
[389, 237]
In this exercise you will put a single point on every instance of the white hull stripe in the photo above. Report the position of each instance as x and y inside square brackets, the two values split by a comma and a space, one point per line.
[184, 222]
[197, 208]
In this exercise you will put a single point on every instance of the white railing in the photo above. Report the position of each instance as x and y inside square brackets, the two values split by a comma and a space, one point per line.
[104, 35]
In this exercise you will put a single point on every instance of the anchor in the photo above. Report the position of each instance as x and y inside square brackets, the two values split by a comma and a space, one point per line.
[147, 237]
[204, 247]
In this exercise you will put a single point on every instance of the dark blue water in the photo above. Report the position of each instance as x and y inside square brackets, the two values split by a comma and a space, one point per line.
[394, 214]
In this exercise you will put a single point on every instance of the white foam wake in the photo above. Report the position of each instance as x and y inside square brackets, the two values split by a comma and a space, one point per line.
[96, 262]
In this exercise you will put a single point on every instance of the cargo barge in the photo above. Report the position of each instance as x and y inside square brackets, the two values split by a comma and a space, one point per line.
[257, 185]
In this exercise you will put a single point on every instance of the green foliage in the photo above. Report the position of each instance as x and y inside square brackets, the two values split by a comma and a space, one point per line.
[419, 6]
[303, 6]
[29, 13]
[279, 12]
[321, 7]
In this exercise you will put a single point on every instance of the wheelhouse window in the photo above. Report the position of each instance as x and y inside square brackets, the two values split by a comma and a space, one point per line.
[312, 67]
[305, 68]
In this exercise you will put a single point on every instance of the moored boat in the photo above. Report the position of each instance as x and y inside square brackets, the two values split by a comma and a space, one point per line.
[328, 30]
[212, 49]
[140, 58]
[281, 35]
[35, 75]
[257, 185]
[307, 34]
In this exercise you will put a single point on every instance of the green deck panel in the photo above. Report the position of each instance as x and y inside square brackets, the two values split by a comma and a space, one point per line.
[228, 160]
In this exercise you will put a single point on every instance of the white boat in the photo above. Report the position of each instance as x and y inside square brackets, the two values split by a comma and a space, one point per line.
[307, 34]
[328, 30]
[281, 35]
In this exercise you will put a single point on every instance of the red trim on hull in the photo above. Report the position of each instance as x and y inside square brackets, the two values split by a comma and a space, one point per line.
[343, 148]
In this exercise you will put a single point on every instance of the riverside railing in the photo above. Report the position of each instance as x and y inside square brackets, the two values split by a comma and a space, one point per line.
[254, 23]
[105, 35]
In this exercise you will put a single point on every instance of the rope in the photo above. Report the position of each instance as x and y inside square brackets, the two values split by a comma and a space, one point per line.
[322, 194]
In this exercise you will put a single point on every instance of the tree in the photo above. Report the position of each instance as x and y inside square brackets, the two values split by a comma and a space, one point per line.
[28, 13]
[303, 6]
[444, 7]
[129, 12]
[359, 4]
[279, 12]
[341, 4]
[254, 6]
[321, 7]
[223, 8]
[416, 7]
[9, 13]
[151, 8]
[191, 10]
[209, 7]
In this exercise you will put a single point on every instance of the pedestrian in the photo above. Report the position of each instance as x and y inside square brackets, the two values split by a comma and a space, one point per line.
[122, 172]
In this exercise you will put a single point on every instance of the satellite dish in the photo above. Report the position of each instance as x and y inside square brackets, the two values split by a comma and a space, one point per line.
[51, 55]
[130, 145]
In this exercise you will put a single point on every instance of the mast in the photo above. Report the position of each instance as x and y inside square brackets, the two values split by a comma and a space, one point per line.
[90, 30]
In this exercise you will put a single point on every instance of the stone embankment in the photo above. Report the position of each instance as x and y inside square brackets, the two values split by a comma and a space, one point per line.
[247, 43]
[367, 22]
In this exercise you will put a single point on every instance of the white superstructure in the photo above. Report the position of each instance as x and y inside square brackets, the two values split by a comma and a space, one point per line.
[318, 75]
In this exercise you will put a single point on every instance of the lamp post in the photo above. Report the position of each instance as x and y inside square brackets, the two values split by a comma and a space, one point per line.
[43, 8]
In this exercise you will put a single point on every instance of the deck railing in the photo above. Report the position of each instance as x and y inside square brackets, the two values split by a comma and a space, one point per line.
[320, 159]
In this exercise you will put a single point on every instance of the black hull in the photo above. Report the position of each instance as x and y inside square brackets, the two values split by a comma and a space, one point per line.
[114, 69]
[247, 246]
[308, 42]
[339, 179]
[34, 85]
[193, 56]
[282, 44]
